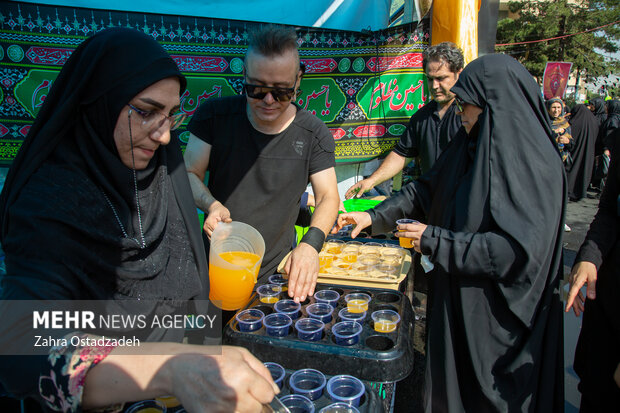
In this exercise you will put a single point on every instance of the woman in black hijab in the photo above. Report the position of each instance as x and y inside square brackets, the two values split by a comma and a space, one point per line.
[584, 128]
[495, 204]
[97, 206]
[599, 110]
[601, 164]
[597, 356]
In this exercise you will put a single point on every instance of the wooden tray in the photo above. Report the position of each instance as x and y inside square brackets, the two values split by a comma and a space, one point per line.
[360, 281]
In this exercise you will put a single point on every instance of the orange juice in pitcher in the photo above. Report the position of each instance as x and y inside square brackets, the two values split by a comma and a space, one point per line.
[235, 257]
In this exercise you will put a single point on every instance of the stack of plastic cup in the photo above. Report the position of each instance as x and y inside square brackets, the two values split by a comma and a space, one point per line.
[320, 311]
[330, 297]
[308, 382]
[249, 320]
[277, 372]
[345, 389]
[298, 403]
[347, 333]
[277, 325]
[288, 307]
[309, 329]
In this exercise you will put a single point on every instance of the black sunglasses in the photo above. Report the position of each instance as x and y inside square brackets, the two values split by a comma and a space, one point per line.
[280, 94]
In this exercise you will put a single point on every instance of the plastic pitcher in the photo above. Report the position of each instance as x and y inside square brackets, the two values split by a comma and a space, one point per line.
[236, 253]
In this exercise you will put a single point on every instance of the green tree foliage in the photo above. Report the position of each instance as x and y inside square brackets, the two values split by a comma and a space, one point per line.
[554, 18]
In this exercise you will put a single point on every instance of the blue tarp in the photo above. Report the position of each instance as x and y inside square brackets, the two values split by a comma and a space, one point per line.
[356, 15]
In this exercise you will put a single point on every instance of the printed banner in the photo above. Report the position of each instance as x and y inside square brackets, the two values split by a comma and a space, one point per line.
[555, 79]
[364, 86]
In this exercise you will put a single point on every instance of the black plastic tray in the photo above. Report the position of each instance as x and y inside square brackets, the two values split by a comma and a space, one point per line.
[378, 357]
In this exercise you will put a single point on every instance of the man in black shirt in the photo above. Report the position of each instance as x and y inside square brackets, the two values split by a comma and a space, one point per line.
[261, 150]
[432, 127]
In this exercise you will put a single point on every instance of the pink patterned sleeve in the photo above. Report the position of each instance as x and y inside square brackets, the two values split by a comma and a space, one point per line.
[62, 386]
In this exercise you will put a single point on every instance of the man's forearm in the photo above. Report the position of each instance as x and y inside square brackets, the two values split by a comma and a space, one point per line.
[202, 196]
[391, 165]
[325, 212]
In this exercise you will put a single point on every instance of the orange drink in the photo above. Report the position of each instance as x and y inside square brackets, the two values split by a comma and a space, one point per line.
[334, 247]
[357, 306]
[269, 299]
[385, 326]
[231, 285]
[349, 257]
[405, 242]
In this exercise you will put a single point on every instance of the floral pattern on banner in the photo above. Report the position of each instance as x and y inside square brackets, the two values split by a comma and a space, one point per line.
[371, 80]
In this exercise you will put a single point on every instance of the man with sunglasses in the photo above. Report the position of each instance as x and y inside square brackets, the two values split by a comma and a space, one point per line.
[261, 150]
[432, 127]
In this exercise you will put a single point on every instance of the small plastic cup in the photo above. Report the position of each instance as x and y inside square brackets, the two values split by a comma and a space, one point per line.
[308, 382]
[346, 389]
[269, 293]
[288, 307]
[325, 260]
[320, 311]
[347, 333]
[151, 406]
[388, 271]
[250, 320]
[277, 324]
[334, 246]
[298, 403]
[341, 264]
[279, 280]
[339, 408]
[357, 302]
[277, 372]
[169, 401]
[346, 315]
[385, 321]
[330, 297]
[402, 241]
[309, 329]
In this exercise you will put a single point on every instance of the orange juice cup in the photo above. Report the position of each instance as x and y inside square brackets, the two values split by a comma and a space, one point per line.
[334, 246]
[269, 293]
[385, 321]
[325, 260]
[405, 242]
[357, 302]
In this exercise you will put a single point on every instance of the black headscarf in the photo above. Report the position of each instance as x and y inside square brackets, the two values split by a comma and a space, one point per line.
[584, 127]
[599, 111]
[56, 223]
[613, 117]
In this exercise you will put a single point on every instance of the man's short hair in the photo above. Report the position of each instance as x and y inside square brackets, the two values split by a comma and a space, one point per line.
[273, 40]
[447, 52]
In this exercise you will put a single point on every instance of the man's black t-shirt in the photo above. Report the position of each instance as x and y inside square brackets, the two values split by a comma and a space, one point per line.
[260, 178]
[427, 135]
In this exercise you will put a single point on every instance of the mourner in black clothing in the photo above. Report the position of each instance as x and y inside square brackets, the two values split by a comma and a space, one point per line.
[584, 130]
[97, 206]
[495, 204]
[597, 357]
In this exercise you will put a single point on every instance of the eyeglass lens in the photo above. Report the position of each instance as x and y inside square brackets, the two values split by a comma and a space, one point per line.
[278, 93]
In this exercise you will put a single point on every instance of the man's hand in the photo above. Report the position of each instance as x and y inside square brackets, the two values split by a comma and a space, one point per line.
[359, 188]
[361, 220]
[217, 213]
[583, 272]
[302, 267]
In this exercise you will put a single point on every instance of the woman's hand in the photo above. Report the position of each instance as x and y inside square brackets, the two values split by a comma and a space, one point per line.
[413, 232]
[360, 220]
[583, 272]
[231, 381]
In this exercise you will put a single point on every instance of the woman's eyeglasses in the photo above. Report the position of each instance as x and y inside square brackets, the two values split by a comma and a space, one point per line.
[152, 120]
[280, 94]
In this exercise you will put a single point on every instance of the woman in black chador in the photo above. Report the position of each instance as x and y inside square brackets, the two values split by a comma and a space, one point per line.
[597, 356]
[584, 129]
[97, 206]
[495, 204]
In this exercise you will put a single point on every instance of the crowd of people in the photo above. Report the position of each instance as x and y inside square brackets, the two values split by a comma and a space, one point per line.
[101, 171]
